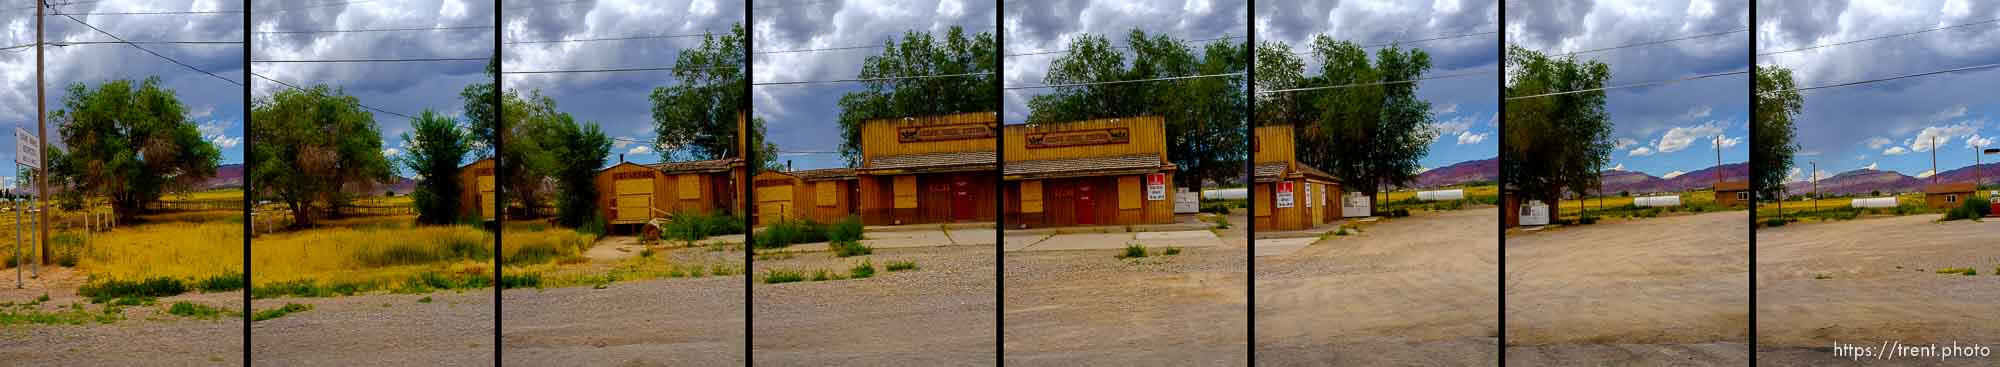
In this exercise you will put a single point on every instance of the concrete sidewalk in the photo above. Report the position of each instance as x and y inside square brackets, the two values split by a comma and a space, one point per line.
[1041, 241]
[936, 236]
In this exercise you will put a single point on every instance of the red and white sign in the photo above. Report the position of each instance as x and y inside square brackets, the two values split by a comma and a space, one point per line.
[1284, 197]
[1156, 186]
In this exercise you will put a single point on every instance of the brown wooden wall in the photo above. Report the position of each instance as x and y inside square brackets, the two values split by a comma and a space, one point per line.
[469, 198]
[1272, 218]
[716, 192]
[1728, 199]
[880, 137]
[1063, 203]
[1148, 136]
[1273, 144]
[877, 199]
[805, 198]
[1937, 200]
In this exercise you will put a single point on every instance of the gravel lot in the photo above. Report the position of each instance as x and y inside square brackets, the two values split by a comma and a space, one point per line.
[1874, 280]
[147, 337]
[938, 315]
[1069, 308]
[1407, 291]
[455, 329]
[659, 322]
[1668, 290]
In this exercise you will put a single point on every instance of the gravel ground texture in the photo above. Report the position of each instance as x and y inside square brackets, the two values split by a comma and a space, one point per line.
[1070, 308]
[940, 314]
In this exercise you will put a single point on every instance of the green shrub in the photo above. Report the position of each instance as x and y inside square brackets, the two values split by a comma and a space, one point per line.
[775, 276]
[1133, 251]
[1171, 251]
[1775, 222]
[288, 309]
[820, 275]
[695, 226]
[539, 253]
[1215, 207]
[511, 281]
[1222, 222]
[106, 290]
[847, 229]
[902, 265]
[1960, 271]
[864, 270]
[225, 282]
[846, 248]
[785, 233]
[196, 310]
[426, 299]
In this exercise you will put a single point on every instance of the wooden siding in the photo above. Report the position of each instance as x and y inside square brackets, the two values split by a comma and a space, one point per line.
[1063, 202]
[932, 198]
[880, 137]
[1273, 144]
[1148, 136]
[1325, 201]
[478, 195]
[709, 193]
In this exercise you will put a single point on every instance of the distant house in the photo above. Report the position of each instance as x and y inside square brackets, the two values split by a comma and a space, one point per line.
[1732, 193]
[1947, 195]
[480, 199]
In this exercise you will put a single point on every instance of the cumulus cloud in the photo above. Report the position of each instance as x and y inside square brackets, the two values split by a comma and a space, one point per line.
[1619, 167]
[1977, 142]
[1725, 141]
[217, 132]
[639, 150]
[1467, 138]
[1623, 143]
[1680, 137]
[1878, 142]
[1943, 135]
[1455, 125]
[391, 152]
[1641, 152]
[1895, 150]
[1673, 174]
[1697, 112]
[1927, 173]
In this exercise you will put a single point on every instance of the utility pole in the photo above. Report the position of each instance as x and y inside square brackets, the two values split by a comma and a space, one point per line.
[41, 123]
[1934, 171]
[1815, 185]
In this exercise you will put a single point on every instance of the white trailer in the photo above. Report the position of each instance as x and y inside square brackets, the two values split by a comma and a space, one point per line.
[1441, 195]
[1662, 200]
[1888, 202]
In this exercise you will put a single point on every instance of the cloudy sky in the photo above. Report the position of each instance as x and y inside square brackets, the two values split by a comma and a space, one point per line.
[1887, 125]
[1464, 107]
[217, 106]
[803, 120]
[616, 101]
[1661, 129]
[1049, 25]
[406, 87]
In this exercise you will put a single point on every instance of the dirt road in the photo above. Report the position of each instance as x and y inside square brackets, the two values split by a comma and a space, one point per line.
[1071, 308]
[940, 314]
[147, 336]
[454, 329]
[1408, 291]
[1874, 280]
[1669, 290]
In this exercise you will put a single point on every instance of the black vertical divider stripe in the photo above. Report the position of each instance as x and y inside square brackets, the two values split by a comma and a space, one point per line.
[1751, 166]
[751, 162]
[1249, 167]
[1500, 275]
[499, 191]
[249, 186]
[1000, 185]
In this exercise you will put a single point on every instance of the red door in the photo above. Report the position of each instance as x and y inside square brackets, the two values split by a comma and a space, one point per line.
[961, 200]
[1086, 203]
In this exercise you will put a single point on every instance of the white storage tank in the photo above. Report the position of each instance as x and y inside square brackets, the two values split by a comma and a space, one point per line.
[1226, 194]
[1663, 200]
[1888, 202]
[1440, 195]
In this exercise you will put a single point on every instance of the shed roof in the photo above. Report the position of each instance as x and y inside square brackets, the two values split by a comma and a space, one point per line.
[825, 174]
[1732, 186]
[1270, 172]
[1086, 166]
[712, 165]
[1949, 187]
[934, 162]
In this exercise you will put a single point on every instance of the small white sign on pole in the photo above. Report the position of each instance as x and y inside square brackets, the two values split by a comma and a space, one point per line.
[1534, 213]
[27, 149]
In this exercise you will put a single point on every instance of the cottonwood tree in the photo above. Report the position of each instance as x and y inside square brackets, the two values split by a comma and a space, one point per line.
[480, 113]
[1204, 116]
[437, 146]
[129, 143]
[584, 147]
[921, 54]
[1554, 143]
[527, 161]
[696, 114]
[1777, 107]
[1373, 135]
[315, 147]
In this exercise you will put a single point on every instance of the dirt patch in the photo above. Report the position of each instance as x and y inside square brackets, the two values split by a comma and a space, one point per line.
[1642, 286]
[1408, 290]
[1090, 308]
[1874, 280]
[146, 335]
[454, 329]
[940, 314]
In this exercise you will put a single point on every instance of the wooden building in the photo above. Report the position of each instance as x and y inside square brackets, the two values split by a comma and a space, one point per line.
[1290, 195]
[632, 193]
[1731, 194]
[1948, 195]
[823, 195]
[478, 178]
[1510, 206]
[929, 169]
[1094, 172]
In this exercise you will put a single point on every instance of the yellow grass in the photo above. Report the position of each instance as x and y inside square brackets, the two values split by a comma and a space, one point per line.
[1470, 192]
[333, 255]
[1794, 207]
[177, 250]
[1687, 198]
[213, 195]
[572, 268]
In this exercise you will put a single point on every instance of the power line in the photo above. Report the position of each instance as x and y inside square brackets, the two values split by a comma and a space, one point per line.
[815, 50]
[1308, 48]
[860, 80]
[368, 60]
[1125, 81]
[1878, 37]
[150, 51]
[80, 43]
[159, 13]
[1122, 47]
[53, 5]
[1639, 84]
[254, 10]
[376, 30]
[1945, 71]
[1446, 76]
[615, 70]
[1648, 43]
[357, 103]
[779, 6]
[607, 39]
[543, 5]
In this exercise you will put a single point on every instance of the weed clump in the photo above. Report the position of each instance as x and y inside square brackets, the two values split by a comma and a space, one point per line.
[106, 290]
[1133, 251]
[785, 233]
[902, 265]
[288, 309]
[197, 310]
[862, 271]
[847, 248]
[775, 276]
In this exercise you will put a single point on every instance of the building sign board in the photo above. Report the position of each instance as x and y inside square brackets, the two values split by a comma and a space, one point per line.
[27, 149]
[912, 134]
[1156, 187]
[1116, 135]
[1284, 196]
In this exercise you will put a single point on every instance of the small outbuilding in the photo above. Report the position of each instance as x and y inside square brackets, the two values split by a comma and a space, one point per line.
[1290, 195]
[1731, 194]
[1948, 195]
[822, 195]
[1094, 172]
[633, 193]
[479, 196]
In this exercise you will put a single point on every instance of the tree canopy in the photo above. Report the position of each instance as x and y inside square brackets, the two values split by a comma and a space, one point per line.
[1204, 116]
[436, 146]
[1558, 142]
[480, 112]
[530, 156]
[696, 114]
[921, 54]
[128, 143]
[1372, 135]
[314, 147]
[584, 146]
[1777, 107]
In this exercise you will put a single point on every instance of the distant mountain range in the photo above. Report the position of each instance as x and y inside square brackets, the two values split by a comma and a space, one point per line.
[1487, 170]
[1639, 182]
[1868, 181]
[228, 176]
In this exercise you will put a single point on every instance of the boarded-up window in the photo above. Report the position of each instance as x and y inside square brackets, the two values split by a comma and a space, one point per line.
[1129, 192]
[690, 186]
[1259, 208]
[768, 194]
[486, 197]
[906, 192]
[1031, 196]
[824, 194]
[634, 208]
[633, 187]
